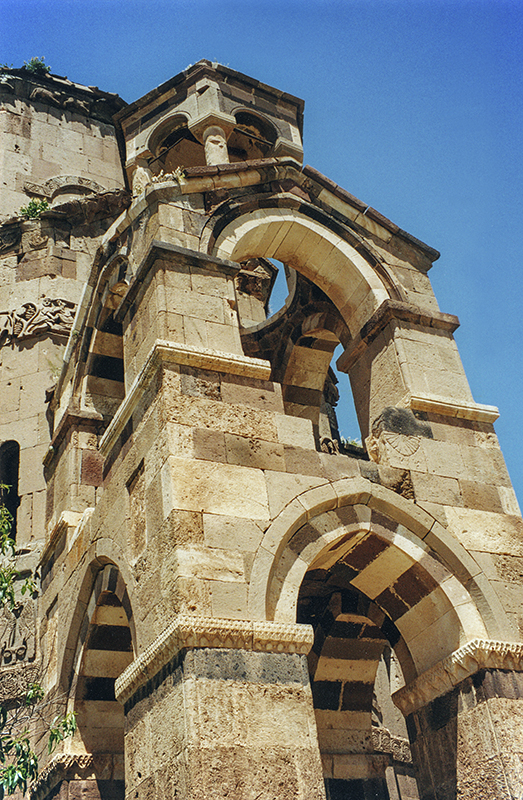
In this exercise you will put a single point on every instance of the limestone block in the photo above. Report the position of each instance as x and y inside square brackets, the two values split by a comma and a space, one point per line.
[481, 496]
[209, 564]
[229, 600]
[436, 489]
[31, 477]
[201, 412]
[443, 458]
[509, 500]
[486, 531]
[214, 487]
[283, 488]
[225, 338]
[263, 395]
[251, 452]
[176, 276]
[193, 304]
[231, 533]
[484, 465]
[196, 333]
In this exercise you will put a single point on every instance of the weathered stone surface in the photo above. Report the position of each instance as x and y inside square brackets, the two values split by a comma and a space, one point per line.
[196, 498]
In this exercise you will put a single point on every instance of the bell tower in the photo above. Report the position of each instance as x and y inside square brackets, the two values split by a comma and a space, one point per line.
[241, 606]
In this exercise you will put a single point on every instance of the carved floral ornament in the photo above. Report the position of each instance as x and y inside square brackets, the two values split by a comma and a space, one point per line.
[31, 319]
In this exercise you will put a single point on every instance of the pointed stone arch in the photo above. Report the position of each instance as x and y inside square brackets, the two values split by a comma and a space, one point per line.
[346, 271]
[104, 648]
[391, 547]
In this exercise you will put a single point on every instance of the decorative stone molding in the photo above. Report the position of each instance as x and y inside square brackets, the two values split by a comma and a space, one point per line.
[94, 206]
[186, 631]
[453, 408]
[383, 741]
[53, 185]
[467, 660]
[182, 354]
[33, 319]
[60, 767]
[68, 520]
[393, 310]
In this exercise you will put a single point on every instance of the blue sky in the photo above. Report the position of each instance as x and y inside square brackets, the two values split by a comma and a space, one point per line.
[414, 106]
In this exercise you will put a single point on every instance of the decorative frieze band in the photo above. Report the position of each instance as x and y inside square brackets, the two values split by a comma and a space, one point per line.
[33, 318]
[186, 355]
[186, 631]
[61, 766]
[461, 664]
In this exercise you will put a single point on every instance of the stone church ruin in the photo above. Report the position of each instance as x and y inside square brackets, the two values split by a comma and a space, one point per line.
[235, 604]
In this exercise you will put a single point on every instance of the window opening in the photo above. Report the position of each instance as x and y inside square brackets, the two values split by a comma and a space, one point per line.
[9, 467]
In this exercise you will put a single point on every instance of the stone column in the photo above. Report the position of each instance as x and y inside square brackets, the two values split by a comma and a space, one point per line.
[215, 145]
[464, 718]
[220, 708]
[213, 128]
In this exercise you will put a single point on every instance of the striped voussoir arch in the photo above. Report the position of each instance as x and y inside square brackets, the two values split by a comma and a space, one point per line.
[104, 650]
[370, 551]
[364, 748]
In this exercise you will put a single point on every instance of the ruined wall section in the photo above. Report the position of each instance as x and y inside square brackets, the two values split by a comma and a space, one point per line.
[57, 140]
[57, 144]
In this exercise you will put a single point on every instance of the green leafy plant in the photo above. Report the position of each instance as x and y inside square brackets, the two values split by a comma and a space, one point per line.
[18, 761]
[34, 208]
[349, 442]
[37, 66]
[61, 728]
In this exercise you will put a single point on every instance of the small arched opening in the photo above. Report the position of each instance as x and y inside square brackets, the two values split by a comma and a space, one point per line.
[9, 468]
[103, 384]
[104, 650]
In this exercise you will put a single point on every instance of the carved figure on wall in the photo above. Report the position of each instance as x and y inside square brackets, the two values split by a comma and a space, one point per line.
[32, 319]
[255, 278]
[141, 178]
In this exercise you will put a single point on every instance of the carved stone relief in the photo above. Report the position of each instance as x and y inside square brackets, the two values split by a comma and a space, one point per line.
[255, 278]
[32, 319]
[9, 238]
[98, 206]
[17, 634]
[17, 650]
[60, 100]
